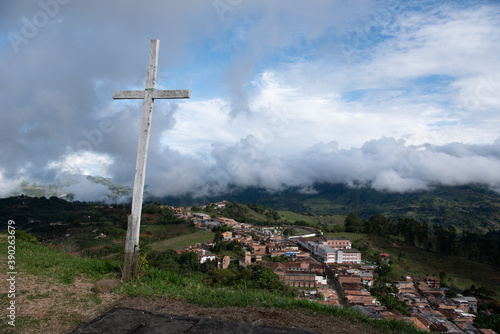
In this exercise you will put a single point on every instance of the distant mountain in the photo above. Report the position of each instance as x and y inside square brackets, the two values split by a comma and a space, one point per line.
[472, 207]
[116, 191]
[71, 180]
[33, 211]
[39, 190]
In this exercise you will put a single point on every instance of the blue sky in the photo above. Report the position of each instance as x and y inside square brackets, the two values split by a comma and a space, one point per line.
[284, 93]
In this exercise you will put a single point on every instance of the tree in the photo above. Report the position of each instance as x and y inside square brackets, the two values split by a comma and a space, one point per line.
[379, 225]
[268, 280]
[392, 303]
[222, 277]
[189, 260]
[383, 269]
[352, 222]
[442, 278]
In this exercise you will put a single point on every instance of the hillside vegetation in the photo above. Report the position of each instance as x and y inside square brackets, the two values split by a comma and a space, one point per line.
[164, 273]
[471, 207]
[456, 272]
[474, 207]
[57, 286]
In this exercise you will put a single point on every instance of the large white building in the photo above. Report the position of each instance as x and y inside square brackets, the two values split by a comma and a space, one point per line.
[349, 256]
[327, 254]
[333, 250]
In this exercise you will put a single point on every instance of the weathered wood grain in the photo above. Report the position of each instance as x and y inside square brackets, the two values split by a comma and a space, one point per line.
[149, 95]
[172, 94]
[157, 94]
[129, 94]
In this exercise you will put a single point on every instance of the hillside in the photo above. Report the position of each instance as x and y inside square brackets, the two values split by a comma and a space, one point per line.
[54, 218]
[459, 272]
[53, 295]
[82, 224]
[472, 207]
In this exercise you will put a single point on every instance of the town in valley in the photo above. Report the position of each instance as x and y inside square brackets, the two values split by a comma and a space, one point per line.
[330, 271]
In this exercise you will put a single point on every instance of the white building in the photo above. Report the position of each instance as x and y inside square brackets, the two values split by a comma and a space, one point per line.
[326, 254]
[204, 256]
[349, 256]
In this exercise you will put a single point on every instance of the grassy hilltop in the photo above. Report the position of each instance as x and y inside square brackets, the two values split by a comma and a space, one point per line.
[54, 295]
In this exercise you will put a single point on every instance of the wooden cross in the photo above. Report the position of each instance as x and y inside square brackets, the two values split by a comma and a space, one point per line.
[148, 95]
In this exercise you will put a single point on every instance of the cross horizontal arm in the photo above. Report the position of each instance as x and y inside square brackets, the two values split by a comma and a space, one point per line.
[128, 94]
[172, 94]
[157, 94]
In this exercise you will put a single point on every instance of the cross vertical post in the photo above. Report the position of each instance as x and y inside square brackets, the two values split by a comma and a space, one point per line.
[149, 95]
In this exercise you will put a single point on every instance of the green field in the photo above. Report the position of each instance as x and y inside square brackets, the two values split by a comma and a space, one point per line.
[182, 241]
[169, 230]
[314, 219]
[300, 231]
[354, 237]
[322, 205]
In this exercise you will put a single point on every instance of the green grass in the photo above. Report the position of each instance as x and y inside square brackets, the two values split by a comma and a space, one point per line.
[41, 260]
[255, 215]
[182, 241]
[300, 231]
[51, 276]
[322, 205]
[329, 219]
[351, 236]
[167, 231]
[166, 283]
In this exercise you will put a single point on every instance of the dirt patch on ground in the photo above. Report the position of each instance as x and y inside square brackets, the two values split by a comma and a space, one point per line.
[45, 306]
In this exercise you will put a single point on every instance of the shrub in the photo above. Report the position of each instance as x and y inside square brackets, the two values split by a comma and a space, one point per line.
[23, 235]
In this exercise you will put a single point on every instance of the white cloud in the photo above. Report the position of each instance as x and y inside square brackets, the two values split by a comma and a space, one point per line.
[86, 190]
[445, 41]
[282, 107]
[386, 164]
[389, 180]
[86, 163]
[8, 184]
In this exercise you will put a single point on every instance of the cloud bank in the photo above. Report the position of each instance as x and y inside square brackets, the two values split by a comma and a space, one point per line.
[386, 93]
